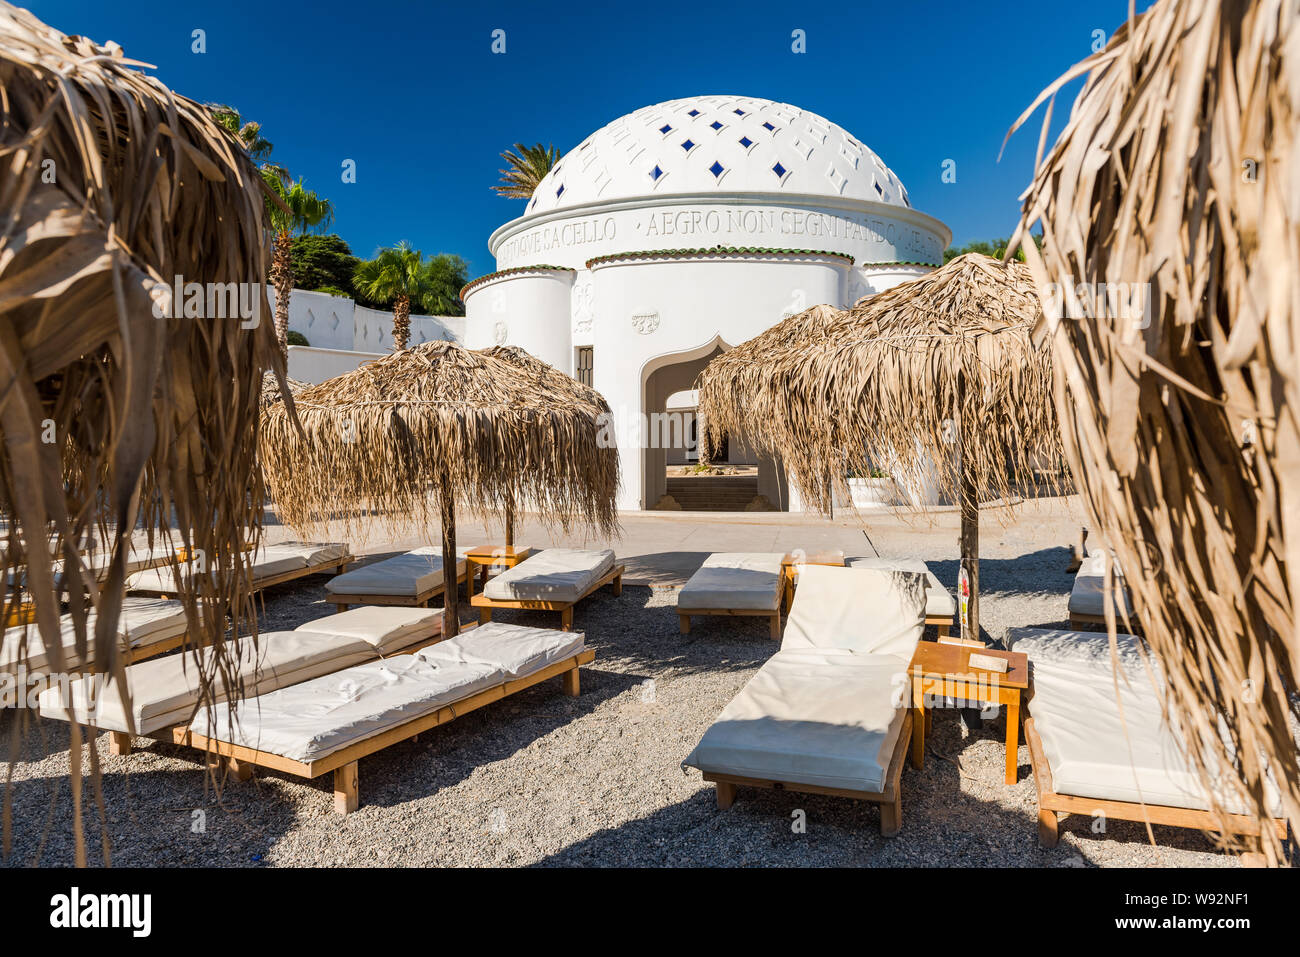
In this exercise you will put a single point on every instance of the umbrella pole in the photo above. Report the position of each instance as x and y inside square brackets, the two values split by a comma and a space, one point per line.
[969, 506]
[451, 581]
[510, 520]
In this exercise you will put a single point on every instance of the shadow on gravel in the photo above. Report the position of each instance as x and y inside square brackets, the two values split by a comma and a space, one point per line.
[155, 818]
[445, 756]
[663, 569]
[771, 828]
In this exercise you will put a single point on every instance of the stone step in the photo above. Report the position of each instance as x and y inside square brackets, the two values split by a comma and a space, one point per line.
[714, 493]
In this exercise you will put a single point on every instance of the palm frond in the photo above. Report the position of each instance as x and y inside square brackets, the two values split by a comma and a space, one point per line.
[1176, 175]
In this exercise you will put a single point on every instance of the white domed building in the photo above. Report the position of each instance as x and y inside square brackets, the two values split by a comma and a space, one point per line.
[681, 230]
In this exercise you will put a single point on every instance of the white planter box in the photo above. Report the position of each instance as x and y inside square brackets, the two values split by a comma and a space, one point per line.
[873, 492]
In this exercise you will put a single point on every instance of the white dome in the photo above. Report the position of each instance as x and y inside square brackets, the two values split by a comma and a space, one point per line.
[721, 144]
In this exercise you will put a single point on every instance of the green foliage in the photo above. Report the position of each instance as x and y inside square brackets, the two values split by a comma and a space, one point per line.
[394, 272]
[248, 133]
[433, 286]
[447, 274]
[324, 263]
[299, 209]
[526, 166]
[297, 339]
[997, 248]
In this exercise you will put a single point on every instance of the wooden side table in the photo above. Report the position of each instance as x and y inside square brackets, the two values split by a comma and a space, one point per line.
[945, 670]
[490, 556]
[833, 557]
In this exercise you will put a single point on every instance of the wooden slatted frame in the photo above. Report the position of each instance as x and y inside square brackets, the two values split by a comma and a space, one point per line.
[485, 605]
[422, 600]
[890, 799]
[1051, 804]
[344, 762]
[684, 616]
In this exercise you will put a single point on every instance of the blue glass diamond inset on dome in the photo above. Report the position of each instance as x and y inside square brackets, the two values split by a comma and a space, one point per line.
[769, 127]
[716, 125]
[559, 192]
[666, 128]
[656, 173]
[779, 170]
[717, 169]
[746, 142]
[739, 112]
[693, 113]
[688, 145]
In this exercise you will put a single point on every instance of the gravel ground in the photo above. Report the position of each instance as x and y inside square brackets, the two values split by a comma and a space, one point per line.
[543, 779]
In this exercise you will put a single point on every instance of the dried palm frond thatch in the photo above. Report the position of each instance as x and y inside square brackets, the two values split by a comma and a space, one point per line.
[934, 380]
[876, 386]
[412, 434]
[111, 186]
[1177, 176]
[273, 392]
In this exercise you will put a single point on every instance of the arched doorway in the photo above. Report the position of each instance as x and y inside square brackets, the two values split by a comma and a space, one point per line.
[672, 446]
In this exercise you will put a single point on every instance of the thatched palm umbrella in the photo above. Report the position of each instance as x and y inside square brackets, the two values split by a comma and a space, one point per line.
[1176, 176]
[935, 379]
[114, 413]
[273, 388]
[488, 428]
[742, 369]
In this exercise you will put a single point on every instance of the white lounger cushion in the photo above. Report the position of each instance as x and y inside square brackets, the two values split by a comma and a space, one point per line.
[518, 651]
[383, 627]
[869, 611]
[1088, 647]
[311, 720]
[1091, 750]
[1088, 596]
[741, 580]
[266, 563]
[406, 575]
[164, 691]
[939, 602]
[97, 562]
[312, 553]
[556, 574]
[829, 719]
[142, 622]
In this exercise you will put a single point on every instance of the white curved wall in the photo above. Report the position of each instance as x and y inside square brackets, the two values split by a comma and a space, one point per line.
[653, 313]
[309, 364]
[529, 310]
[336, 322]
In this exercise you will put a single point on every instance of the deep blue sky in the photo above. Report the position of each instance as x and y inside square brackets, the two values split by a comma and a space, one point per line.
[412, 92]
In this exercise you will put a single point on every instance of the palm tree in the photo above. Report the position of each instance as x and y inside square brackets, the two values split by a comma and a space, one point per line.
[249, 135]
[290, 207]
[525, 168]
[399, 275]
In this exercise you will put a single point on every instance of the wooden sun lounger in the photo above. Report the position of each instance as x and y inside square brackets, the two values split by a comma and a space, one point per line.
[1052, 807]
[339, 565]
[240, 760]
[486, 605]
[40, 682]
[422, 599]
[890, 799]
[120, 742]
